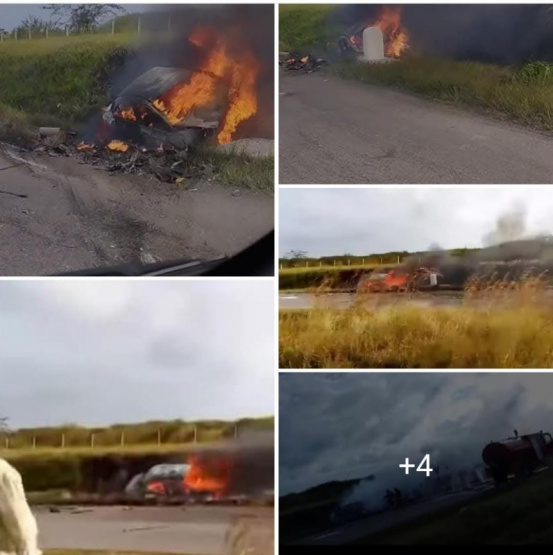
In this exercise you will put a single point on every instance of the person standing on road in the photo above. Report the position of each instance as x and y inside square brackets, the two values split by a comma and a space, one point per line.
[18, 528]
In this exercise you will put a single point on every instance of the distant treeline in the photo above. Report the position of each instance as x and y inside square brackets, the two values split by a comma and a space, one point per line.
[145, 433]
[375, 259]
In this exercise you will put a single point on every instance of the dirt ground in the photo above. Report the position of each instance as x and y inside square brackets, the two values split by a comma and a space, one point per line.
[75, 216]
[194, 530]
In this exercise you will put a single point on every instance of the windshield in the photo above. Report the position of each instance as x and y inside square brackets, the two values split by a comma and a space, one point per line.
[150, 141]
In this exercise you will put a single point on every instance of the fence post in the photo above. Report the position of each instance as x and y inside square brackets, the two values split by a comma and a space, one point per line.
[195, 434]
[62, 441]
[122, 438]
[113, 26]
[92, 440]
[158, 436]
[7, 442]
[47, 32]
[67, 30]
[139, 24]
[34, 442]
[30, 33]
[15, 32]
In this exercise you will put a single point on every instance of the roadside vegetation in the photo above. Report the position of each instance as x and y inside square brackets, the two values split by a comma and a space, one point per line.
[497, 325]
[50, 471]
[332, 278]
[516, 514]
[58, 81]
[134, 435]
[522, 94]
[303, 25]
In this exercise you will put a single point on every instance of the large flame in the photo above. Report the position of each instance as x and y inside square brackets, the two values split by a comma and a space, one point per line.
[236, 67]
[203, 477]
[396, 38]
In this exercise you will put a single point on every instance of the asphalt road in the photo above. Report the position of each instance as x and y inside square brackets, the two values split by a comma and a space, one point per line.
[336, 131]
[377, 300]
[194, 530]
[76, 217]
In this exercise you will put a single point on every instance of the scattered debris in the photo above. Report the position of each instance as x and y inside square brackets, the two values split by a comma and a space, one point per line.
[301, 62]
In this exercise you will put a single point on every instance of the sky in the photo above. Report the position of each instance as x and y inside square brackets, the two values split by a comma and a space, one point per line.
[342, 426]
[11, 15]
[103, 352]
[363, 221]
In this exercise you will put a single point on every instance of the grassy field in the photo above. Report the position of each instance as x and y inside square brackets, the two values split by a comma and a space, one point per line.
[493, 328]
[342, 277]
[304, 25]
[503, 92]
[524, 95]
[58, 80]
[518, 514]
[139, 436]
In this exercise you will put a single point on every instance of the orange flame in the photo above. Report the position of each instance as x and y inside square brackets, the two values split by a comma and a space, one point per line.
[204, 478]
[156, 487]
[118, 146]
[84, 146]
[239, 70]
[128, 114]
[396, 38]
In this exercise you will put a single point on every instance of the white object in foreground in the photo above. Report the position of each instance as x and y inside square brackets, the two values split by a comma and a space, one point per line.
[373, 44]
[18, 528]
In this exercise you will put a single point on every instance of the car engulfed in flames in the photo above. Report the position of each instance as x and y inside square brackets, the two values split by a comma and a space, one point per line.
[178, 107]
[388, 20]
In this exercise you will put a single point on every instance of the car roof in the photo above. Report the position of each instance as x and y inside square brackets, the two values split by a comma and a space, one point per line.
[154, 82]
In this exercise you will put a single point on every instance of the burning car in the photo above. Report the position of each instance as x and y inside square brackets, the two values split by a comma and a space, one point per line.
[160, 480]
[388, 20]
[135, 114]
[179, 106]
[400, 280]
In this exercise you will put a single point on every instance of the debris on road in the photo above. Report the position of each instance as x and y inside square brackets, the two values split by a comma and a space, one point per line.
[300, 62]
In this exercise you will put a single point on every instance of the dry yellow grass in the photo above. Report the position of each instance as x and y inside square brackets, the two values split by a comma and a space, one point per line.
[499, 324]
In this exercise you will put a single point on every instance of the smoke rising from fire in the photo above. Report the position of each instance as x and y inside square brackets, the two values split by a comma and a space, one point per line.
[343, 426]
[500, 33]
[228, 44]
[510, 226]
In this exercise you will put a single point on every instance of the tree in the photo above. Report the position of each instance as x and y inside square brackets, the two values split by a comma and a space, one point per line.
[82, 18]
[296, 254]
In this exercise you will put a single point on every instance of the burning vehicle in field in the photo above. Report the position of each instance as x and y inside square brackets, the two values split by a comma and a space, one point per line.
[518, 456]
[400, 280]
[174, 107]
[388, 20]
[196, 480]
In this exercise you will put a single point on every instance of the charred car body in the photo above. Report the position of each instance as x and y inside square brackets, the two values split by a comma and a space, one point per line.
[135, 115]
[518, 456]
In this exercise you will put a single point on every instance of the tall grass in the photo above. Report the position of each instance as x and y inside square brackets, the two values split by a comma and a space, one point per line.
[303, 25]
[59, 80]
[501, 91]
[499, 324]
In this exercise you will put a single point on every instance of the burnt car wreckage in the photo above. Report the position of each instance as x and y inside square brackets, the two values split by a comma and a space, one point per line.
[133, 115]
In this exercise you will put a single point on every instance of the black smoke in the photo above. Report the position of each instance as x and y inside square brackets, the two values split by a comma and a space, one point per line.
[497, 33]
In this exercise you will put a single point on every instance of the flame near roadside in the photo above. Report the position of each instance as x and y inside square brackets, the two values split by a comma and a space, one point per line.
[396, 37]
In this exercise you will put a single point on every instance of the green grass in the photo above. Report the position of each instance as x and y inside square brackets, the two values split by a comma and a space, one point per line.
[510, 330]
[519, 514]
[235, 169]
[503, 92]
[140, 436]
[304, 25]
[341, 277]
[59, 81]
